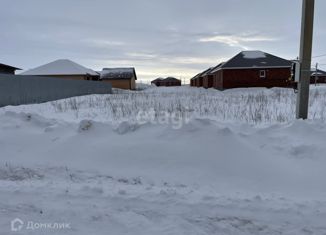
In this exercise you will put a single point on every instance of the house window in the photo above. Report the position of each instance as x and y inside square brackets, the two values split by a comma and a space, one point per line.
[262, 73]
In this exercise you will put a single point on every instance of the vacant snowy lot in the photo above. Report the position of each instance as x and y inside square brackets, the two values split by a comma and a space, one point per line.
[165, 161]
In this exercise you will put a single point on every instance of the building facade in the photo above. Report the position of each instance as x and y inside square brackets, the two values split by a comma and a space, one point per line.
[166, 82]
[317, 76]
[122, 78]
[248, 69]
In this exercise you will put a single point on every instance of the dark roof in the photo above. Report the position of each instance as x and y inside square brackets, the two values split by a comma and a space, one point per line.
[216, 68]
[317, 72]
[206, 72]
[255, 59]
[201, 74]
[118, 73]
[9, 67]
[171, 79]
[157, 79]
[196, 76]
[168, 79]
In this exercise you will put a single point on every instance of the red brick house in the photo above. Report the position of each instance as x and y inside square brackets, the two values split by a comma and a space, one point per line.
[198, 80]
[193, 81]
[157, 81]
[252, 69]
[169, 81]
[207, 78]
[317, 76]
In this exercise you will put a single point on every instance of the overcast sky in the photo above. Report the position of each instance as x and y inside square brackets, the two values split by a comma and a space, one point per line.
[158, 37]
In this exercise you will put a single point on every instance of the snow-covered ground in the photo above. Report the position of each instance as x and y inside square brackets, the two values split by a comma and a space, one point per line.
[165, 161]
[254, 105]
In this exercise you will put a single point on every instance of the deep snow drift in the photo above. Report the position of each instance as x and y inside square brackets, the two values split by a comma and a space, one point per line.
[105, 175]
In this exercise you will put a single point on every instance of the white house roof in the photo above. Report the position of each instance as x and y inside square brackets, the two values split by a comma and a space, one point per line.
[61, 67]
[317, 72]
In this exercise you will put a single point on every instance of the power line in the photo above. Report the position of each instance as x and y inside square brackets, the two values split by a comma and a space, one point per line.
[319, 56]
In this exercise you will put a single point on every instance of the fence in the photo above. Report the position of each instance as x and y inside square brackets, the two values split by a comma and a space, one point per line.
[17, 90]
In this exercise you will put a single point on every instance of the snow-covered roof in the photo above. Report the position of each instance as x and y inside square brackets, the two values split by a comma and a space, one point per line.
[255, 59]
[118, 73]
[61, 67]
[253, 54]
[317, 72]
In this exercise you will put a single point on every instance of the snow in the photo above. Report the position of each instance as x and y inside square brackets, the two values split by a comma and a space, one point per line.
[255, 105]
[105, 171]
[253, 54]
[60, 67]
[114, 73]
[118, 70]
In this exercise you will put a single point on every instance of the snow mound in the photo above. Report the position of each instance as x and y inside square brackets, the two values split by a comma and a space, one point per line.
[85, 125]
[217, 173]
[31, 118]
[126, 127]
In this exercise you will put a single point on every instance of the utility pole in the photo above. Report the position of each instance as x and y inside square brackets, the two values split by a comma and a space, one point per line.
[307, 24]
[316, 74]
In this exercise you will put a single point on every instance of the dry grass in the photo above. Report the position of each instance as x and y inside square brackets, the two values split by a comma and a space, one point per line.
[241, 105]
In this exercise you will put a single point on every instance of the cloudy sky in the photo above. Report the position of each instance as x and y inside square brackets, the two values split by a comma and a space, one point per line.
[158, 37]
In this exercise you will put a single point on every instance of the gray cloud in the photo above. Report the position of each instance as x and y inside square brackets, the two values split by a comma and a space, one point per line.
[159, 38]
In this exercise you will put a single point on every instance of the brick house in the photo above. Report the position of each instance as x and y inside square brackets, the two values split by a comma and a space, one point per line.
[198, 80]
[157, 82]
[122, 78]
[252, 69]
[169, 81]
[317, 76]
[207, 78]
[193, 80]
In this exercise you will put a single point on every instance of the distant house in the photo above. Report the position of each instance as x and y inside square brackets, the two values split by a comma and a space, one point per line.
[66, 69]
[157, 81]
[207, 78]
[7, 69]
[169, 81]
[123, 78]
[317, 76]
[198, 80]
[193, 81]
[252, 69]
